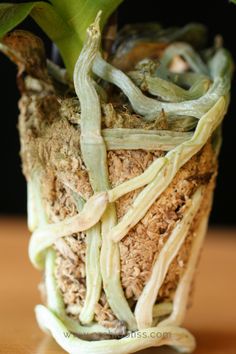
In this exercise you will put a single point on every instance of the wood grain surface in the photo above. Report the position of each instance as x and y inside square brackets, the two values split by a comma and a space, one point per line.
[212, 318]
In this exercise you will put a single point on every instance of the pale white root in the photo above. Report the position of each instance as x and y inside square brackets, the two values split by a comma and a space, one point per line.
[94, 155]
[146, 301]
[110, 269]
[176, 158]
[93, 274]
[162, 309]
[35, 210]
[56, 304]
[32, 219]
[179, 338]
[45, 236]
[137, 182]
[182, 292]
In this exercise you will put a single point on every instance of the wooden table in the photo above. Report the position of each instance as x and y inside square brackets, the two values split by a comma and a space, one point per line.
[212, 319]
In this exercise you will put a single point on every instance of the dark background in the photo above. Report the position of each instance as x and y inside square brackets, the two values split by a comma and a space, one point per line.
[219, 16]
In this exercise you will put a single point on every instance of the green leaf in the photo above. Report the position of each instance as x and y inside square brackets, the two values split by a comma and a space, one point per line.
[79, 14]
[11, 15]
[50, 21]
[65, 21]
[57, 29]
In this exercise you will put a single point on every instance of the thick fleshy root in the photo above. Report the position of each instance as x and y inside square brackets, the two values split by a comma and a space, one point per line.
[177, 337]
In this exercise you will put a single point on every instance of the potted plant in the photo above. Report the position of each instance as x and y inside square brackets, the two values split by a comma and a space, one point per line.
[119, 151]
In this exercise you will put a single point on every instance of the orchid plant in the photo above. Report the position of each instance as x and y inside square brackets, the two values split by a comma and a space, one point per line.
[175, 113]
